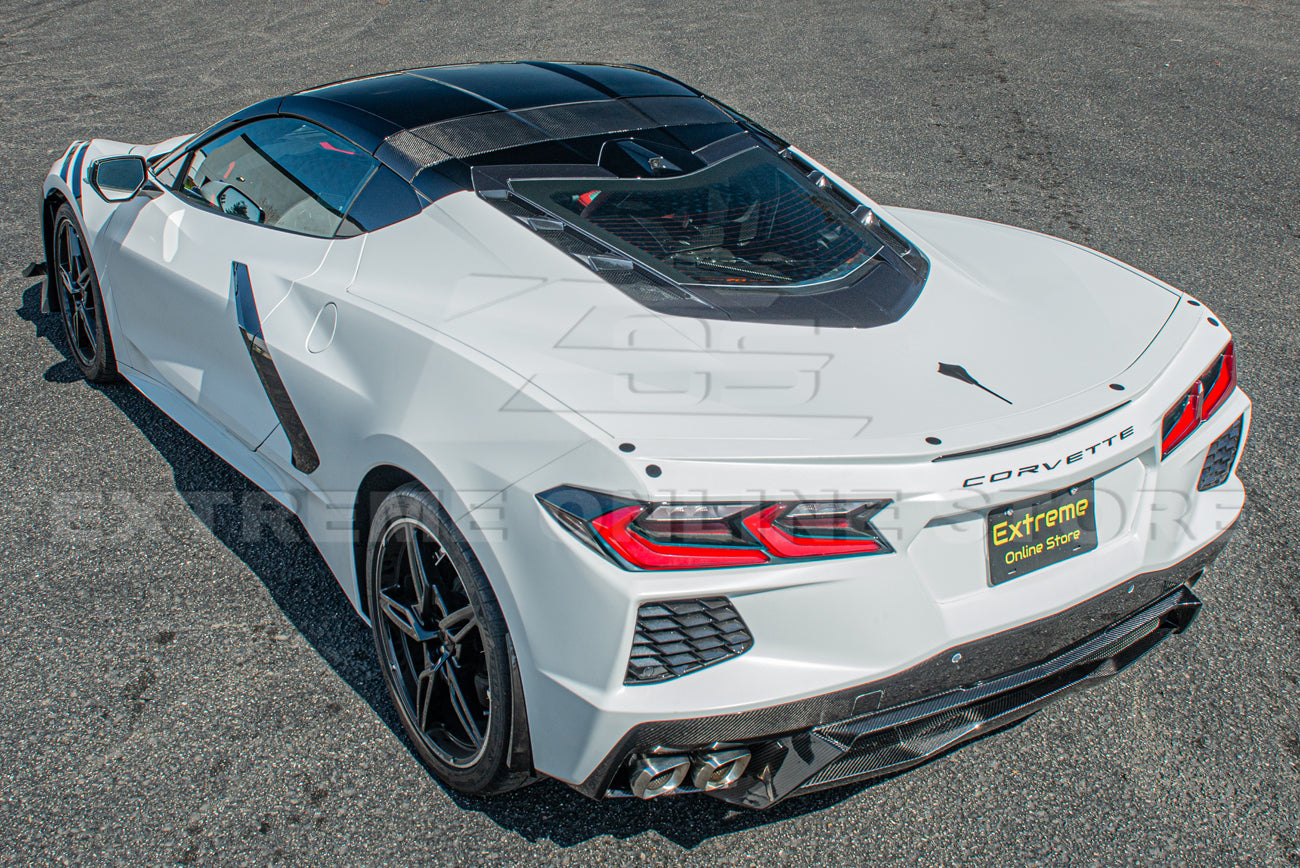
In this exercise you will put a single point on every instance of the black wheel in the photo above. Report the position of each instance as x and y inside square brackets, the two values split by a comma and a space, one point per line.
[444, 648]
[81, 304]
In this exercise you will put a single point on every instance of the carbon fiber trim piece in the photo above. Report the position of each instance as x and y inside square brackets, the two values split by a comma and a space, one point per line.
[480, 134]
[416, 151]
[641, 287]
[981, 660]
[250, 326]
[463, 138]
[676, 111]
[595, 118]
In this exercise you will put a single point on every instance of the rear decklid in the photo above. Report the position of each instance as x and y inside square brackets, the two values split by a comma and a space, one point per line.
[1042, 325]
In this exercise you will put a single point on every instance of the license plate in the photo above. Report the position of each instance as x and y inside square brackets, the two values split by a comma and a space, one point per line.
[1036, 533]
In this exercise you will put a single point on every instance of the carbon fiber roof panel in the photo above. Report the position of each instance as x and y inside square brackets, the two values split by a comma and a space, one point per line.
[466, 137]
[550, 112]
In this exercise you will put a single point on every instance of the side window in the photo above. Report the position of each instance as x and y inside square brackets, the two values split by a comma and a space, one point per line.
[170, 167]
[279, 172]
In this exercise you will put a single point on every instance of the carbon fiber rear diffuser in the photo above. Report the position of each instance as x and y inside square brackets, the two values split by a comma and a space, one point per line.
[894, 739]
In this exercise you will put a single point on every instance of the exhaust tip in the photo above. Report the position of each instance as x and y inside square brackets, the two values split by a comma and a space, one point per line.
[656, 775]
[719, 768]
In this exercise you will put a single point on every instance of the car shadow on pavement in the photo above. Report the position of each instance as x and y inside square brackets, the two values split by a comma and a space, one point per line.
[268, 538]
[304, 589]
[551, 811]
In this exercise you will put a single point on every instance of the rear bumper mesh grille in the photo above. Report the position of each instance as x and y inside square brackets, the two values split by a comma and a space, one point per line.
[677, 637]
[1220, 458]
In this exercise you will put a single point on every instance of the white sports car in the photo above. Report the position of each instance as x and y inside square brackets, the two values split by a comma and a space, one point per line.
[659, 457]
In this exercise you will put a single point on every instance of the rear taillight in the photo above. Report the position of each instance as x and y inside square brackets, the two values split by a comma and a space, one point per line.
[811, 529]
[1219, 380]
[1205, 396]
[1182, 419]
[684, 536]
[638, 546]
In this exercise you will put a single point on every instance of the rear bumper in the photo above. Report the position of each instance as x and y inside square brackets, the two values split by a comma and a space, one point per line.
[885, 726]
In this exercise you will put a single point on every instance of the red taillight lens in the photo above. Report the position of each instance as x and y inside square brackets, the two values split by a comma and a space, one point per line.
[675, 536]
[1223, 381]
[616, 529]
[1182, 419]
[821, 535]
[1205, 396]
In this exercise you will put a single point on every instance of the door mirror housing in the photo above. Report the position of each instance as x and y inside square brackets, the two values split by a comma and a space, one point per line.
[118, 179]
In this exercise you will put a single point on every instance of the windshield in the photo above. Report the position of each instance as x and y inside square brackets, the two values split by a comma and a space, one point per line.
[747, 221]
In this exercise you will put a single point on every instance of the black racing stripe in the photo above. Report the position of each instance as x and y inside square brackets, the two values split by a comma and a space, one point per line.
[577, 76]
[76, 171]
[513, 86]
[67, 161]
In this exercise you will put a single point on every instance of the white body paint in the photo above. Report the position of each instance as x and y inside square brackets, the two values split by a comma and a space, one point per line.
[463, 349]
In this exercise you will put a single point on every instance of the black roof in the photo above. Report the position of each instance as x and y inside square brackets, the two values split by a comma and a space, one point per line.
[432, 126]
[477, 126]
[417, 97]
[452, 118]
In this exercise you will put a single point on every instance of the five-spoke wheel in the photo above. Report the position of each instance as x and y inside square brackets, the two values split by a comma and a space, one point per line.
[444, 647]
[80, 302]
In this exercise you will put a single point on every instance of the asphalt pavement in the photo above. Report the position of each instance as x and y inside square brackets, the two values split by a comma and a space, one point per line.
[182, 682]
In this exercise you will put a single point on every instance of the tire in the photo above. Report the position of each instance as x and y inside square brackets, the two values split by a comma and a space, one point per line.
[445, 652]
[81, 304]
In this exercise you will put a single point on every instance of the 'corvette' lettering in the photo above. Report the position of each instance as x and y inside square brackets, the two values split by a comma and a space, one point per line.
[1073, 457]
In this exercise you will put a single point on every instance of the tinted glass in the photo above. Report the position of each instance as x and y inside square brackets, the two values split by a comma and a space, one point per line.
[167, 175]
[170, 163]
[280, 172]
[386, 200]
[748, 220]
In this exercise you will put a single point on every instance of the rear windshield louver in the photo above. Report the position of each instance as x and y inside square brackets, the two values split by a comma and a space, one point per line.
[644, 287]
[574, 244]
[850, 204]
[636, 282]
[516, 207]
[896, 242]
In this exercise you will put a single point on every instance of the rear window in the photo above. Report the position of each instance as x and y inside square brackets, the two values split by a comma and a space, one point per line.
[749, 221]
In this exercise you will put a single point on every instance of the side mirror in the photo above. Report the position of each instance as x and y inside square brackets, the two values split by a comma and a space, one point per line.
[118, 179]
[236, 204]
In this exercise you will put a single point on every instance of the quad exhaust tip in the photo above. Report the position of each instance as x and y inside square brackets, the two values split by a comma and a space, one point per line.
[718, 769]
[657, 775]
